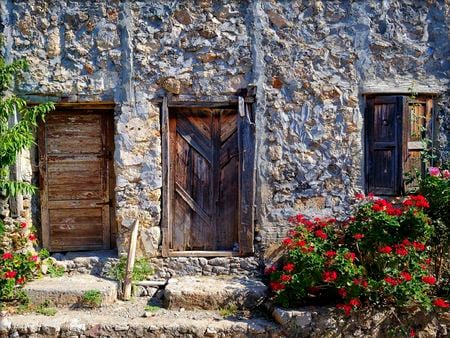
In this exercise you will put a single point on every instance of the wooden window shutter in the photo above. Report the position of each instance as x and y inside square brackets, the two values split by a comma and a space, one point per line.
[247, 152]
[384, 144]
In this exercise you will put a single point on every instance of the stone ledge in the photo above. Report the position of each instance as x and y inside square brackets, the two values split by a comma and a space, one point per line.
[68, 291]
[213, 293]
[328, 322]
[113, 326]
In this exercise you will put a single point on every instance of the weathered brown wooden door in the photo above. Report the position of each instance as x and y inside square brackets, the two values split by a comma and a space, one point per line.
[74, 147]
[205, 179]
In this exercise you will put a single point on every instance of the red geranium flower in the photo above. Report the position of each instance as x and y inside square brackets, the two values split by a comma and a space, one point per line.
[406, 242]
[419, 246]
[412, 333]
[286, 278]
[429, 280]
[10, 274]
[342, 292]
[32, 237]
[358, 236]
[34, 258]
[347, 308]
[401, 250]
[406, 275]
[354, 302]
[350, 256]
[359, 196]
[301, 243]
[321, 234]
[392, 281]
[289, 267]
[439, 302]
[330, 254]
[329, 276]
[276, 286]
[23, 225]
[385, 249]
[287, 241]
[270, 269]
[20, 280]
[7, 255]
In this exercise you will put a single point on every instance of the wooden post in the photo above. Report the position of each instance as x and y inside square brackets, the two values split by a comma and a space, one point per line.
[130, 262]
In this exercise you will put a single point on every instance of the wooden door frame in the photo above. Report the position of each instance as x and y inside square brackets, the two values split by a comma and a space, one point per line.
[108, 109]
[243, 108]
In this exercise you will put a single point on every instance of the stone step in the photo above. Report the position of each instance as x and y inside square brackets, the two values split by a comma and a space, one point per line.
[212, 293]
[82, 324]
[68, 291]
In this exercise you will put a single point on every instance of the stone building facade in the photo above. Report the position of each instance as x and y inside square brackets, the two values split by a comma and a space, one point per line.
[310, 63]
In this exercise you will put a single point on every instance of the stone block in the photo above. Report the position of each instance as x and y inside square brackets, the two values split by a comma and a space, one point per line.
[68, 291]
[213, 293]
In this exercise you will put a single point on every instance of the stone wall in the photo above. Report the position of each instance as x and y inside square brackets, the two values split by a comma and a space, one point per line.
[312, 63]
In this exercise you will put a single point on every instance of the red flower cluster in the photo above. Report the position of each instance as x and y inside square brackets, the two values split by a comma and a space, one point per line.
[10, 274]
[329, 276]
[321, 234]
[277, 286]
[419, 246]
[350, 256]
[392, 281]
[385, 249]
[270, 269]
[289, 267]
[416, 201]
[439, 302]
[358, 236]
[361, 282]
[7, 255]
[23, 225]
[286, 278]
[346, 307]
[406, 276]
[400, 250]
[287, 241]
[330, 254]
[385, 206]
[429, 280]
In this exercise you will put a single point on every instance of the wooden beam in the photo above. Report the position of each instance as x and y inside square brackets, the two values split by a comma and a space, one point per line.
[202, 101]
[166, 188]
[130, 262]
[203, 253]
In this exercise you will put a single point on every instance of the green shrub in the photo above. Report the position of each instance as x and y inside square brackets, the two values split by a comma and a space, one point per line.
[92, 299]
[142, 269]
[46, 309]
[379, 256]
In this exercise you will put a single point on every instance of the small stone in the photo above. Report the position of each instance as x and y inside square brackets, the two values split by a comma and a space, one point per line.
[208, 31]
[171, 84]
[210, 332]
[207, 57]
[53, 48]
[183, 17]
[276, 82]
[89, 68]
[276, 19]
[5, 322]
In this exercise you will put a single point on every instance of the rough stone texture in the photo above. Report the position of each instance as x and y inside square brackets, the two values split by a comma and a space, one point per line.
[126, 320]
[68, 291]
[325, 322]
[312, 62]
[200, 266]
[213, 293]
[88, 262]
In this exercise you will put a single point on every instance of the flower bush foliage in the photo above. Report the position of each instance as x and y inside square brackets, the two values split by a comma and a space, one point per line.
[19, 262]
[378, 256]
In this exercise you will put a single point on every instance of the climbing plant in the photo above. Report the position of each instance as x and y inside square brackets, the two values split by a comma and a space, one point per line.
[15, 137]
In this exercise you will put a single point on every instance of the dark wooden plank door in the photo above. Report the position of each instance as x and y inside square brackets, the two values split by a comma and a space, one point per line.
[204, 167]
[75, 174]
[384, 129]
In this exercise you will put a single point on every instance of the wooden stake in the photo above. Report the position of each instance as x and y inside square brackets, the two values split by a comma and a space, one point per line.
[130, 262]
